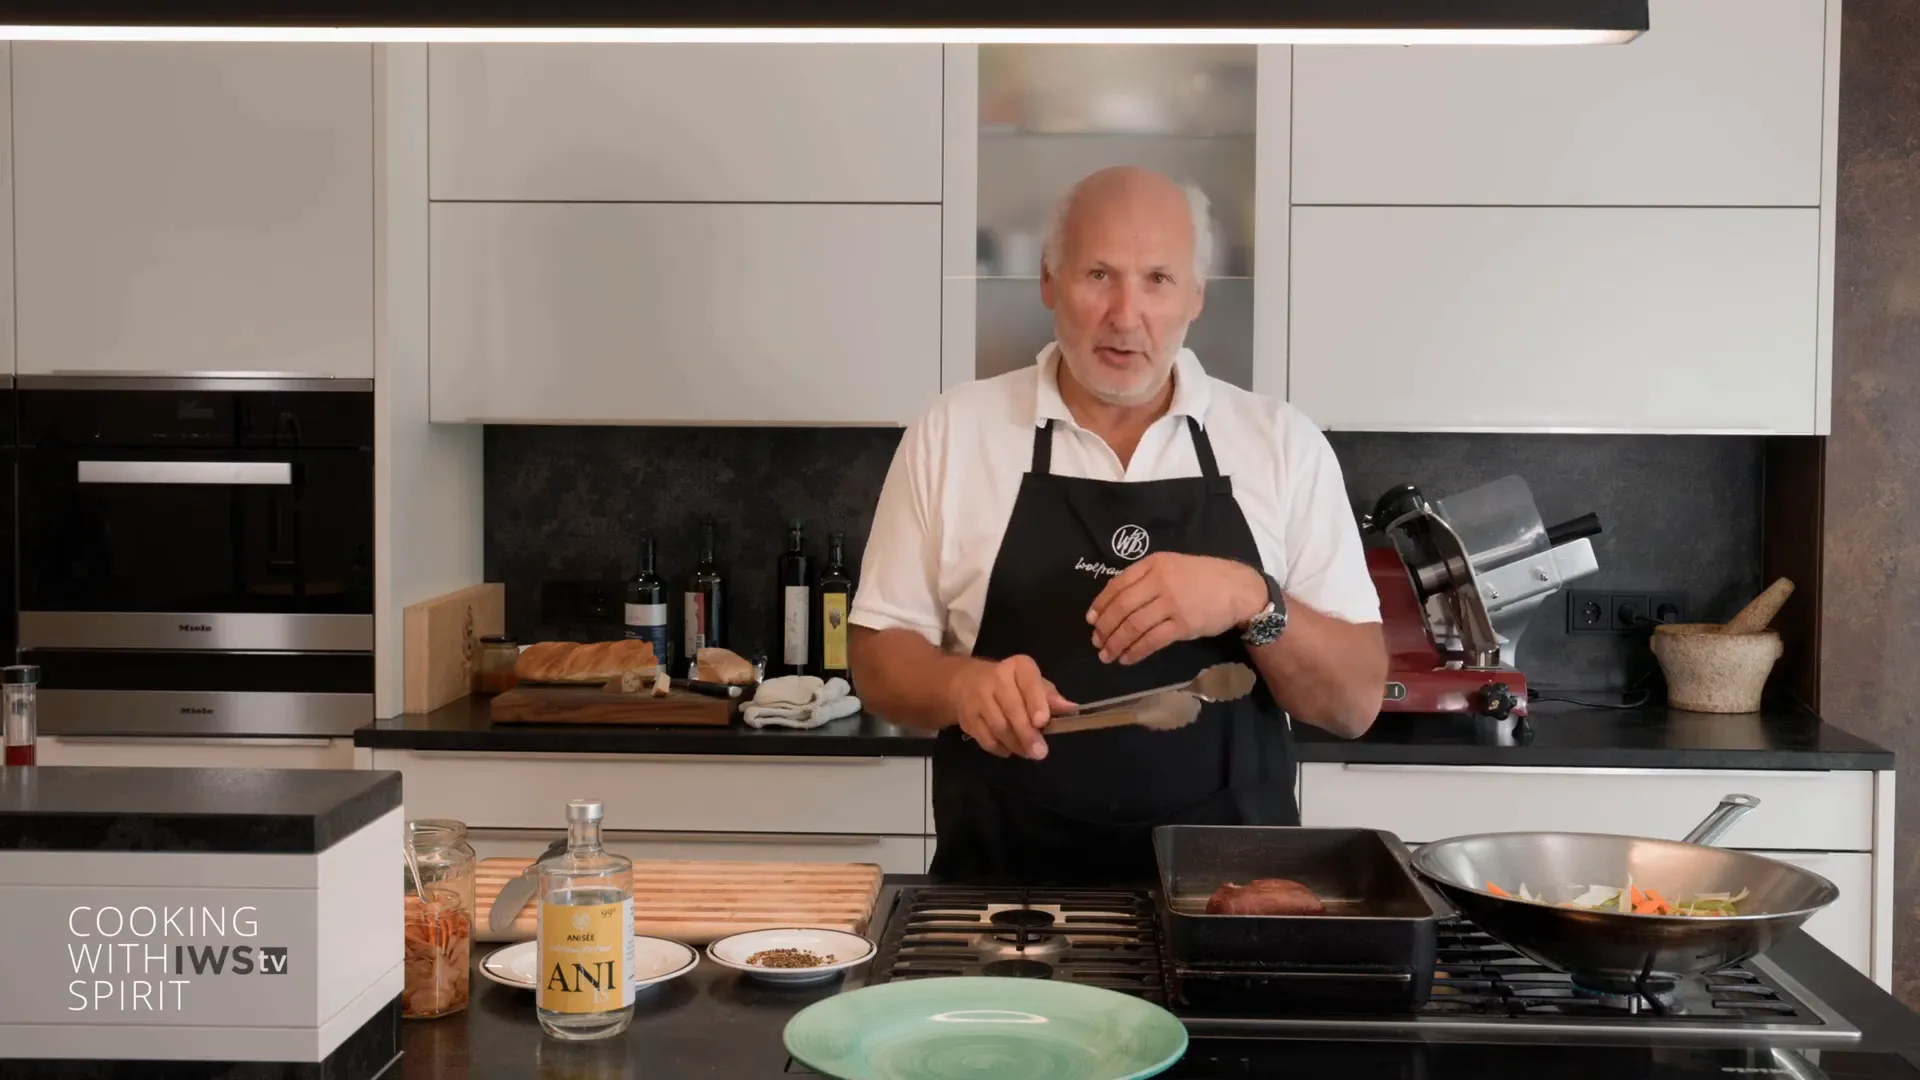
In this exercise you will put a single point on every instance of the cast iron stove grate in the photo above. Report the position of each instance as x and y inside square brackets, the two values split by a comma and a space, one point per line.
[1109, 938]
[1099, 937]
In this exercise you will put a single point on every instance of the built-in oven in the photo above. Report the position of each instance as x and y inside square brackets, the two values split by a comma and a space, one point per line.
[196, 554]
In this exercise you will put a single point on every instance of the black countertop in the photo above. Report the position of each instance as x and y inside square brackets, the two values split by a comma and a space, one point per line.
[149, 808]
[1557, 734]
[713, 1023]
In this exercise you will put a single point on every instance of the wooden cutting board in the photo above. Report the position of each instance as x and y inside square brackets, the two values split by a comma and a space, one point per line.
[700, 901]
[592, 705]
[441, 639]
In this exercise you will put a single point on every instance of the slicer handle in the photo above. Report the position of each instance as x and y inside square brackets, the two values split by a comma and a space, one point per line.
[1568, 531]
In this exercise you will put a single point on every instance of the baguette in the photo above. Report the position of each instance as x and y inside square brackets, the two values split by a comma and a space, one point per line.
[722, 666]
[572, 662]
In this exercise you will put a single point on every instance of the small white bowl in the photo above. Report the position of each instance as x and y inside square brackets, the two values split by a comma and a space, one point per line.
[847, 950]
[655, 960]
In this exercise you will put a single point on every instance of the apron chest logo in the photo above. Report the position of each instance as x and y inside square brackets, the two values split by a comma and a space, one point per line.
[1129, 542]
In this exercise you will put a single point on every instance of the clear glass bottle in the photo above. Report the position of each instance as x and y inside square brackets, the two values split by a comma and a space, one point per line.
[586, 933]
[439, 919]
[18, 683]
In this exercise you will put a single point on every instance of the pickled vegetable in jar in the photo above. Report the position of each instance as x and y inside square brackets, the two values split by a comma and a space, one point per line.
[439, 919]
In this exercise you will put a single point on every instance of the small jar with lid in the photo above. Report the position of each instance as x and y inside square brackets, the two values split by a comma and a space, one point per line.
[493, 667]
[18, 683]
[439, 918]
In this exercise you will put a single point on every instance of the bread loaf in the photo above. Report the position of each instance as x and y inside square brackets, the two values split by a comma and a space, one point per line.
[572, 662]
[722, 666]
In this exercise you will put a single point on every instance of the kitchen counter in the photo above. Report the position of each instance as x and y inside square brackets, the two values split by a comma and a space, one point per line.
[712, 1023]
[1562, 735]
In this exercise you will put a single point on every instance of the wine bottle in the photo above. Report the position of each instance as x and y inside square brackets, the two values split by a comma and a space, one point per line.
[704, 610]
[836, 595]
[796, 600]
[646, 608]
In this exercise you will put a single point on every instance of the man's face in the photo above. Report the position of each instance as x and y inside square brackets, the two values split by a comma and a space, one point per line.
[1123, 293]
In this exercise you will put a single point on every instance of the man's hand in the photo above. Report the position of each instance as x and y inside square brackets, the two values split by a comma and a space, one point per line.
[1003, 705]
[1168, 597]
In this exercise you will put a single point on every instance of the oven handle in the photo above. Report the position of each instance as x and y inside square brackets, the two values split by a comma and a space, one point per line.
[186, 472]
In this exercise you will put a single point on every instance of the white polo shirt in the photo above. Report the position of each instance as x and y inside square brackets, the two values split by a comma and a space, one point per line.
[951, 488]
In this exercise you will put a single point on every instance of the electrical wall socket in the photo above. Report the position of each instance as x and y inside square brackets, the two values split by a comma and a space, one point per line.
[1622, 612]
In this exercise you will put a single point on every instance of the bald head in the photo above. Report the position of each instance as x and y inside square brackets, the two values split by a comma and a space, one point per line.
[1133, 194]
[1122, 273]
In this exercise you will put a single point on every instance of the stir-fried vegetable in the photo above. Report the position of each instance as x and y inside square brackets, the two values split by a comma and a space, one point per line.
[1633, 900]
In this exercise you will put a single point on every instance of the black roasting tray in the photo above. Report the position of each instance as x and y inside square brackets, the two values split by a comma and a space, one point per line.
[1374, 949]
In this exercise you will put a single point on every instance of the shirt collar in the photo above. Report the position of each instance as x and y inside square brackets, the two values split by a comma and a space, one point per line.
[1191, 389]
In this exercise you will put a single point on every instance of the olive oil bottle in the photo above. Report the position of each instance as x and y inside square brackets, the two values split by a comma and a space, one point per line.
[586, 933]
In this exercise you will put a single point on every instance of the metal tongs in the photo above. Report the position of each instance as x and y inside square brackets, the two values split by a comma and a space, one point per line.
[1163, 708]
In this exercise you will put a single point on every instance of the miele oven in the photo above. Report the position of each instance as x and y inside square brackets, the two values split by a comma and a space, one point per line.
[196, 554]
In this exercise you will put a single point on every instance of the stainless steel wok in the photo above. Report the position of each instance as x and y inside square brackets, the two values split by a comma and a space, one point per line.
[1613, 952]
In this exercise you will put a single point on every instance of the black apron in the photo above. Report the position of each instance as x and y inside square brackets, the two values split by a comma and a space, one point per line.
[1085, 815]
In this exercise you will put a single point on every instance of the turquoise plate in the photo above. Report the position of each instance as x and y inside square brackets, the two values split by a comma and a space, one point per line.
[985, 1028]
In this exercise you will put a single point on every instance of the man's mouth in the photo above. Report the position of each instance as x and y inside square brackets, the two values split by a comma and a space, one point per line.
[1118, 357]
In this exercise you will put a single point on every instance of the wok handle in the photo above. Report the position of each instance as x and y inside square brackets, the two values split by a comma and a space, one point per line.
[1731, 809]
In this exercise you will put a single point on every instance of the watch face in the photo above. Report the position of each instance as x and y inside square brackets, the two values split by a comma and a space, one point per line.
[1265, 628]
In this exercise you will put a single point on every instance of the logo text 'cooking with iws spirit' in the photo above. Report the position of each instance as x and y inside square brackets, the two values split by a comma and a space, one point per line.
[135, 961]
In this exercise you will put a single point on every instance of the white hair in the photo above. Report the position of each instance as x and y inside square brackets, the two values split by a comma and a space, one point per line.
[1197, 205]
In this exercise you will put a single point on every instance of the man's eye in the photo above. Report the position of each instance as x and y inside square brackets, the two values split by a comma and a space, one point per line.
[1097, 275]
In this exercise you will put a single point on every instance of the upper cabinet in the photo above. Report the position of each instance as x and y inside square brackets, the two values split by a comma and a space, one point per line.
[691, 313]
[686, 123]
[1718, 104]
[193, 208]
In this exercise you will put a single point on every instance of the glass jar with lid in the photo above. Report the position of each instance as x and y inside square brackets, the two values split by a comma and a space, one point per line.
[493, 666]
[439, 918]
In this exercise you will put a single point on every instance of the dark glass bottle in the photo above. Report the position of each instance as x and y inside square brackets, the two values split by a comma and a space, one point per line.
[836, 596]
[646, 607]
[796, 604]
[705, 611]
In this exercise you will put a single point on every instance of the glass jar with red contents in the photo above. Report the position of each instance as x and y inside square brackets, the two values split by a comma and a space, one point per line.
[17, 685]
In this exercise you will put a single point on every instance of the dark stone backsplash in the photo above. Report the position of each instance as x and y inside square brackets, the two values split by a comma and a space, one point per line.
[1680, 514]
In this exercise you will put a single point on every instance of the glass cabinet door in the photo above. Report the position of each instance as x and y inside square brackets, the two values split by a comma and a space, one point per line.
[1049, 115]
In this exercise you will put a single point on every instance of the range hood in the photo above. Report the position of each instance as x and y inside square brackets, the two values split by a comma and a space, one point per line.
[1052, 22]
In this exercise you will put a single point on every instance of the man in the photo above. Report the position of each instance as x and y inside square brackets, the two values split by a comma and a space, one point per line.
[1106, 521]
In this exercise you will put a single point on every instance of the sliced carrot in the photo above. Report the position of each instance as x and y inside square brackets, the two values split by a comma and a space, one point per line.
[1646, 908]
[1655, 897]
[1498, 891]
[1635, 896]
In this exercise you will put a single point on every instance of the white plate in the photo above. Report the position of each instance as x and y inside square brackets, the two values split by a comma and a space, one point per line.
[655, 960]
[847, 950]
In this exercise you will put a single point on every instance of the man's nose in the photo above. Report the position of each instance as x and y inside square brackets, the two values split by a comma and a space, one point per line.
[1123, 310]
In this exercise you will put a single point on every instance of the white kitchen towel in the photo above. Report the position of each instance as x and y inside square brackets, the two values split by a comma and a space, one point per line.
[800, 701]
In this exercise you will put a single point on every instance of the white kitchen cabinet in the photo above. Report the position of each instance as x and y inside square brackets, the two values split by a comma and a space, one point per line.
[679, 793]
[1807, 810]
[6, 210]
[684, 313]
[1846, 925]
[194, 752]
[193, 208]
[893, 854]
[686, 122]
[1541, 319]
[1718, 104]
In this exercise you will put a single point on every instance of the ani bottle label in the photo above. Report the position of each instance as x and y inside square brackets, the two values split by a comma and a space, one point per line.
[586, 957]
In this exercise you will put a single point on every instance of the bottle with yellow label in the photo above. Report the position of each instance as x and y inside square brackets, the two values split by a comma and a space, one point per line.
[586, 933]
[836, 596]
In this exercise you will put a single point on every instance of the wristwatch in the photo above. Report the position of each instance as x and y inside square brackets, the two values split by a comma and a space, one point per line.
[1266, 627]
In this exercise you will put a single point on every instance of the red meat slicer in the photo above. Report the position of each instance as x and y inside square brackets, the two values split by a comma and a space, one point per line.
[1458, 584]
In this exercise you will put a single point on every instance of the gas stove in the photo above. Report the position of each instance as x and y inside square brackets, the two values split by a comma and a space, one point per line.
[1483, 991]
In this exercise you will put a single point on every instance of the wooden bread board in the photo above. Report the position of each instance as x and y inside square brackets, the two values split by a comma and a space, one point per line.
[441, 639]
[701, 901]
[540, 704]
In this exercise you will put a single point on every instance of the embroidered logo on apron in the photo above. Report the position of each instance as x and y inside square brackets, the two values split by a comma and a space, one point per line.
[1129, 542]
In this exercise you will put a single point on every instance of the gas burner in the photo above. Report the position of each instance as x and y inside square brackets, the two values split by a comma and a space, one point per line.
[1021, 934]
[1627, 995]
[1018, 969]
[1022, 918]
